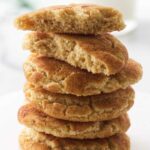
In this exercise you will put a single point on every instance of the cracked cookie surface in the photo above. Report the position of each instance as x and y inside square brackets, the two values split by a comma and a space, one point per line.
[30, 139]
[59, 77]
[37, 120]
[83, 109]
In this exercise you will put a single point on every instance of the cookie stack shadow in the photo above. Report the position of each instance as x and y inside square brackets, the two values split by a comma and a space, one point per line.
[79, 79]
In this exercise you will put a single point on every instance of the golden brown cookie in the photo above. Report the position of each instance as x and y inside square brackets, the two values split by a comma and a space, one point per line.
[97, 54]
[32, 140]
[37, 120]
[59, 77]
[76, 19]
[83, 109]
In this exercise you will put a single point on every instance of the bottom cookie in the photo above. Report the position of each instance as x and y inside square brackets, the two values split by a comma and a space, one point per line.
[32, 140]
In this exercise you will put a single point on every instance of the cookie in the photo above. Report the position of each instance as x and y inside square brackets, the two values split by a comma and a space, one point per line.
[35, 119]
[97, 54]
[32, 140]
[75, 19]
[59, 77]
[83, 109]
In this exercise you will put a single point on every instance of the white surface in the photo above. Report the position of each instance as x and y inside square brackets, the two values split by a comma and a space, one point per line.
[10, 128]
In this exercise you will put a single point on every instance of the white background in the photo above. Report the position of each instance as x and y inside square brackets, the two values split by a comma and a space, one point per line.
[12, 79]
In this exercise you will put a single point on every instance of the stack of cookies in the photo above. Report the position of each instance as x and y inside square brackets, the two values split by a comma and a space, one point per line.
[78, 80]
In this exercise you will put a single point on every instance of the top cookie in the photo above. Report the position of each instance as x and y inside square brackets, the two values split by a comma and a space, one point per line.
[75, 19]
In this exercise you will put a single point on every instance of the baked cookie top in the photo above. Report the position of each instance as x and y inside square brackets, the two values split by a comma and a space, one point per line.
[80, 108]
[30, 139]
[59, 77]
[35, 119]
